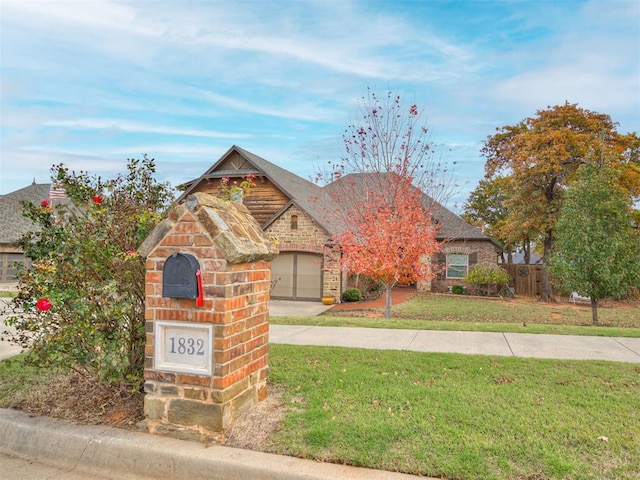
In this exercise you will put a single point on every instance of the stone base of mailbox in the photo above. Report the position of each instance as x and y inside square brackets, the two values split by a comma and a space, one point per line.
[197, 412]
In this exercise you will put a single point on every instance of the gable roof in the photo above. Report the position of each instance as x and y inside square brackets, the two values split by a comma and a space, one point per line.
[319, 202]
[306, 195]
[233, 231]
[13, 224]
[451, 226]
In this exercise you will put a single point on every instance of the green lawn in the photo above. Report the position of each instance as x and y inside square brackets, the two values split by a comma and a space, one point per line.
[447, 415]
[456, 416]
[436, 312]
[444, 415]
[18, 381]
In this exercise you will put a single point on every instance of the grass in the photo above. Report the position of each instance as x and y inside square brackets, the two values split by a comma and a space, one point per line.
[459, 313]
[456, 416]
[19, 381]
[445, 415]
[450, 416]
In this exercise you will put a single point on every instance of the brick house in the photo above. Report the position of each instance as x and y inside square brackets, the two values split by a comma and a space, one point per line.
[13, 225]
[294, 211]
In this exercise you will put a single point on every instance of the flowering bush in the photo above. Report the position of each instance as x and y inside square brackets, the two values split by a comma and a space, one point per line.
[87, 274]
[43, 304]
[234, 191]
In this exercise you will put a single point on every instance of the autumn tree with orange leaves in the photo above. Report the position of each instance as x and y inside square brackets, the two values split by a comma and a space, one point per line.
[391, 241]
[380, 187]
[540, 156]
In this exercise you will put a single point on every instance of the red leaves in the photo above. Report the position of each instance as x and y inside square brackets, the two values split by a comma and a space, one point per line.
[97, 199]
[390, 236]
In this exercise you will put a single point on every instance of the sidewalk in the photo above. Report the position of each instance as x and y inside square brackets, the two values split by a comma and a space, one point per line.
[564, 347]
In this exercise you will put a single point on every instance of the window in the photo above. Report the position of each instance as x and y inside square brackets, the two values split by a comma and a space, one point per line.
[294, 222]
[457, 265]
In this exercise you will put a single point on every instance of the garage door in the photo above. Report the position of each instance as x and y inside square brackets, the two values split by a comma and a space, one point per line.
[297, 276]
[9, 266]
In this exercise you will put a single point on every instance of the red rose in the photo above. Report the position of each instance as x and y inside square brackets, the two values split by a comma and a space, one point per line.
[45, 203]
[97, 199]
[43, 304]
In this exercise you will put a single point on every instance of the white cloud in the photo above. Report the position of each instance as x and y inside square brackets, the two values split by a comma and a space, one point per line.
[93, 14]
[296, 111]
[127, 126]
[281, 78]
[585, 62]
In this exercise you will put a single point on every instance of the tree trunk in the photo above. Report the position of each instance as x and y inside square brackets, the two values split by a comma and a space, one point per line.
[594, 311]
[547, 290]
[387, 304]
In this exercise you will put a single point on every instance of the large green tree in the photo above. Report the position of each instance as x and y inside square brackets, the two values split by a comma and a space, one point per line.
[486, 209]
[597, 248]
[540, 156]
[81, 304]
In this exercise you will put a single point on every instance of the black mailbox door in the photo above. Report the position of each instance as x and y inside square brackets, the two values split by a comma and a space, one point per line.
[179, 276]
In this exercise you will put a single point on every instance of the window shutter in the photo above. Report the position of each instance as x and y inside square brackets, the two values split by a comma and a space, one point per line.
[440, 261]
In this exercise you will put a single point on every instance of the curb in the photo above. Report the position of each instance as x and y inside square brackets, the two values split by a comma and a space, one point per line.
[129, 455]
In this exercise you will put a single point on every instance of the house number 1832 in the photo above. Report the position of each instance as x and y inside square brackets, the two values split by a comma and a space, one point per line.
[183, 347]
[186, 345]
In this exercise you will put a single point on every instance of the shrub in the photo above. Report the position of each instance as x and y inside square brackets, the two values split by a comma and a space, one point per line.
[81, 303]
[369, 288]
[457, 289]
[351, 295]
[487, 274]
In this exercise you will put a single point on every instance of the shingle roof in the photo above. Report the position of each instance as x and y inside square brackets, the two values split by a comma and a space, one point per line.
[321, 202]
[307, 195]
[451, 226]
[12, 223]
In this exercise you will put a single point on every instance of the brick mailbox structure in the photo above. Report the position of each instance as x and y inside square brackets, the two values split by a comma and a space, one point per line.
[207, 318]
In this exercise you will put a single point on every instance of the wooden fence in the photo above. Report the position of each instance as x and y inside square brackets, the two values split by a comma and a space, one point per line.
[525, 279]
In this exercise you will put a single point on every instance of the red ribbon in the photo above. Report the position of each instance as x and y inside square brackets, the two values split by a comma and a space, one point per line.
[200, 299]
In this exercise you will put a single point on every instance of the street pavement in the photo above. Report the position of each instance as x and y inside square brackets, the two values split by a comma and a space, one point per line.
[19, 468]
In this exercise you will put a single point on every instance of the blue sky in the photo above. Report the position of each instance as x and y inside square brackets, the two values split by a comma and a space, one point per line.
[92, 83]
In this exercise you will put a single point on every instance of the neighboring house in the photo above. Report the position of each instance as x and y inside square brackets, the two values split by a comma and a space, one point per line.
[535, 259]
[14, 225]
[294, 211]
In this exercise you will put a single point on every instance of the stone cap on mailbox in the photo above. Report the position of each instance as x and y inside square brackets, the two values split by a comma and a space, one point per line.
[232, 229]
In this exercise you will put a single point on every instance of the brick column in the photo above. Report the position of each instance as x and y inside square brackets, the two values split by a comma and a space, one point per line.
[234, 258]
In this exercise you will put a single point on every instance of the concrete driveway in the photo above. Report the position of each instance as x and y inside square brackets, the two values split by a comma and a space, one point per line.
[283, 308]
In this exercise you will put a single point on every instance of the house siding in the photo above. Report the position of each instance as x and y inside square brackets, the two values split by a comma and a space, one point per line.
[479, 252]
[279, 194]
[308, 237]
